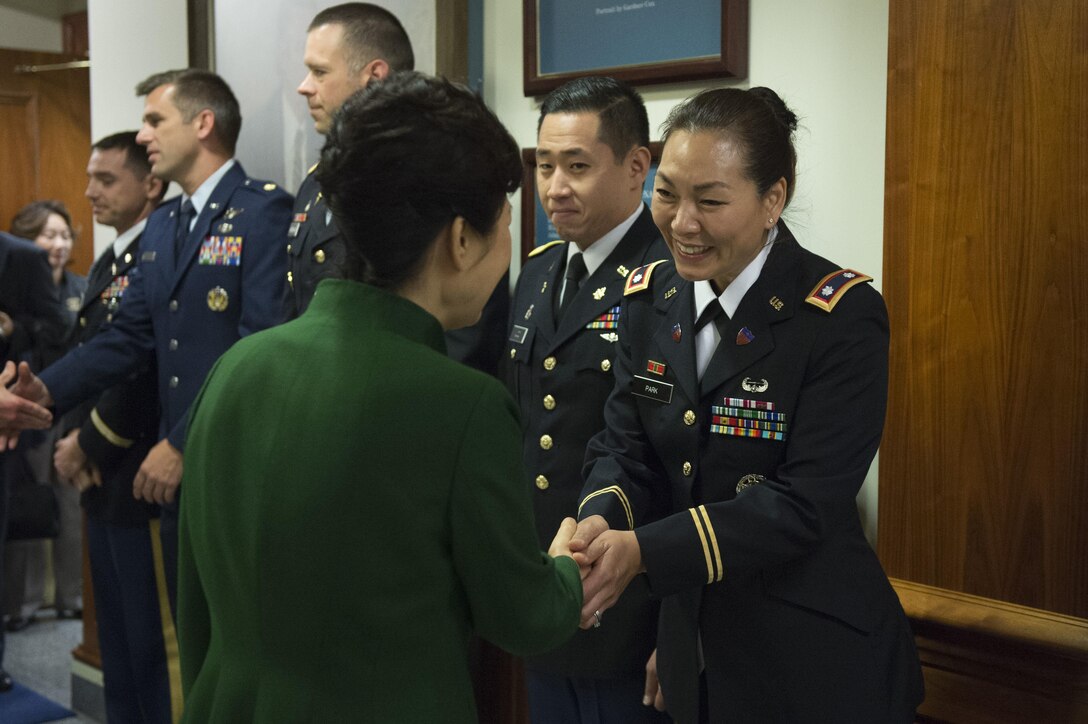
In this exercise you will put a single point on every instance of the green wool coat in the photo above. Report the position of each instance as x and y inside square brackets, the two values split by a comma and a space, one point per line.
[353, 511]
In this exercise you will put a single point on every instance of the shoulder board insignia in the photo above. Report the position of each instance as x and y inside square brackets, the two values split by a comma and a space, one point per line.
[312, 168]
[831, 288]
[640, 278]
[540, 249]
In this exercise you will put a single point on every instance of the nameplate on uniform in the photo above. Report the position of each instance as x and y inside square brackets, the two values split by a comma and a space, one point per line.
[518, 333]
[147, 256]
[221, 251]
[652, 389]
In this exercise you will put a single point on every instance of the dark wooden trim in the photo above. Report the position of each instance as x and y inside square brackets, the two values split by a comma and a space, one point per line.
[201, 14]
[732, 63]
[451, 40]
[987, 660]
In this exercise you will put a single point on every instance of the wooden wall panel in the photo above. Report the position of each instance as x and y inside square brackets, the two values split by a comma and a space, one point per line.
[984, 464]
[60, 107]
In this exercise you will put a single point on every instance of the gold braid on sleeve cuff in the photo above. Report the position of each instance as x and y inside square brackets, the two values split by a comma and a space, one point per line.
[104, 430]
[623, 501]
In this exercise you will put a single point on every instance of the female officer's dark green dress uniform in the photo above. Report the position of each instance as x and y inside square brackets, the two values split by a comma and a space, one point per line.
[405, 473]
[771, 590]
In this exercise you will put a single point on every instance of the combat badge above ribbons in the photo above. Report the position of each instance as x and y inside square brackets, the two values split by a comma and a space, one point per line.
[827, 293]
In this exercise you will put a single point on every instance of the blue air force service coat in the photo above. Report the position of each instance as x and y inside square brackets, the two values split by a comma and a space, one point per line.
[227, 282]
[401, 467]
[770, 587]
[561, 376]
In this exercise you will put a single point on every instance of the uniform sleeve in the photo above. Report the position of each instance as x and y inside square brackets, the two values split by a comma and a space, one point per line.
[836, 428]
[621, 469]
[120, 418]
[520, 598]
[264, 266]
[110, 357]
[40, 329]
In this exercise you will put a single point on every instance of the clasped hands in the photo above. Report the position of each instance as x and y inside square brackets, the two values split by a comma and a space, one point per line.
[23, 407]
[607, 559]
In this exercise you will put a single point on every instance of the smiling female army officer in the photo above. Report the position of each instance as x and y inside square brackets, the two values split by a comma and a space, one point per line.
[760, 425]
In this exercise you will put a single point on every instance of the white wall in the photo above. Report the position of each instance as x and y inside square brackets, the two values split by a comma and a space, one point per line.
[129, 40]
[26, 31]
[278, 140]
[828, 61]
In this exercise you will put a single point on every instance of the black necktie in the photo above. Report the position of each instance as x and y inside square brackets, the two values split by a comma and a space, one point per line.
[713, 313]
[185, 220]
[576, 272]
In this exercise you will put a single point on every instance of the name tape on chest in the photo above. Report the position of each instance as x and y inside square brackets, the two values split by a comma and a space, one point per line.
[651, 389]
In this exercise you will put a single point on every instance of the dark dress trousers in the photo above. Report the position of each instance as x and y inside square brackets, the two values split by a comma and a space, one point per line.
[389, 490]
[771, 593]
[315, 251]
[116, 431]
[226, 282]
[561, 376]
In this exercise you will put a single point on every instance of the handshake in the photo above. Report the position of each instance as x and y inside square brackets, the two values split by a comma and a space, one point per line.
[607, 560]
[23, 406]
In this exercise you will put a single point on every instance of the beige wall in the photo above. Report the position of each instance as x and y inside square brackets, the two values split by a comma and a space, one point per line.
[26, 31]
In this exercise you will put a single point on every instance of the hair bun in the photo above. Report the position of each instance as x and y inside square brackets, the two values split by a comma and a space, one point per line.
[784, 115]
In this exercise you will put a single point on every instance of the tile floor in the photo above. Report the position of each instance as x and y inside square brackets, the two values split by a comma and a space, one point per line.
[40, 658]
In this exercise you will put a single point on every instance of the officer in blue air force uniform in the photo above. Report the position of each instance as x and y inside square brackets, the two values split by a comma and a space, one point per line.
[760, 426]
[210, 271]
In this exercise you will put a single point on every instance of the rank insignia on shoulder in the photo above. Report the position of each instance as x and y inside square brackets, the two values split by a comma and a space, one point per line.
[544, 247]
[640, 278]
[831, 288]
[313, 168]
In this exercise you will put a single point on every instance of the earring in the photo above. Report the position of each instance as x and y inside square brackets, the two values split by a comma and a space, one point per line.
[770, 221]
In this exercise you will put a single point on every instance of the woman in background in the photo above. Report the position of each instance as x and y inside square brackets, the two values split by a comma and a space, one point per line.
[342, 463]
[49, 225]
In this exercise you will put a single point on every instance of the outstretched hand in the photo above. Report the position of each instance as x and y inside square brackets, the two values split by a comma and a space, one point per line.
[21, 405]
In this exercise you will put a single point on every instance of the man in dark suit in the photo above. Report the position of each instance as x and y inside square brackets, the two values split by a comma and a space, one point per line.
[30, 318]
[108, 440]
[210, 271]
[591, 163]
[347, 47]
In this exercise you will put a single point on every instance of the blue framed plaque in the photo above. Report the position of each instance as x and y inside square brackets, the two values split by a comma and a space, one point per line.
[640, 41]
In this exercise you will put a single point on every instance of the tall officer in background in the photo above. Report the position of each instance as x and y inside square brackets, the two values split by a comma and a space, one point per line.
[347, 47]
[591, 163]
[210, 271]
[108, 440]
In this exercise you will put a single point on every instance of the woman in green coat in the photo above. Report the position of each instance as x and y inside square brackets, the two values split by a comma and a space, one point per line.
[341, 463]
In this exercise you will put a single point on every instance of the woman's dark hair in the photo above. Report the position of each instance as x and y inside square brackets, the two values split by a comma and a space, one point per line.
[30, 220]
[402, 159]
[756, 119]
